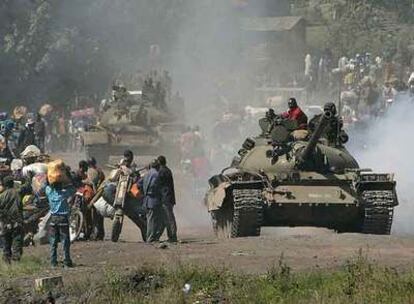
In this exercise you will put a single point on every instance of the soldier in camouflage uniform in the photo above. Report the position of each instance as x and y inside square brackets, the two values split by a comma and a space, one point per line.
[11, 221]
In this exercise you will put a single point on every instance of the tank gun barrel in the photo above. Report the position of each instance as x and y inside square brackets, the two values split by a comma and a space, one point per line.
[323, 123]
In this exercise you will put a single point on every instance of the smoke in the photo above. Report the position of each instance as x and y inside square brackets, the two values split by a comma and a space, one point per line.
[389, 148]
[205, 55]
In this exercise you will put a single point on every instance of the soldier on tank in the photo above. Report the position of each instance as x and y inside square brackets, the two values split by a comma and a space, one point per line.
[295, 113]
[334, 134]
[159, 99]
[148, 90]
[119, 93]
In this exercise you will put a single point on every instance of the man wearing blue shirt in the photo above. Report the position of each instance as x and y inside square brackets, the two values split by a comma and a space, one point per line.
[58, 198]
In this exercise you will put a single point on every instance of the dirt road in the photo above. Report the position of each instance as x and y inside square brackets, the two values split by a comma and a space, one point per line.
[301, 248]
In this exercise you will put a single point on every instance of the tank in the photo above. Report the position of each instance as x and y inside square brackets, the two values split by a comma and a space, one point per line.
[131, 123]
[289, 177]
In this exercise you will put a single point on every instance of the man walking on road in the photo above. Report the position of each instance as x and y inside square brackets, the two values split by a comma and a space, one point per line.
[150, 185]
[167, 199]
[96, 177]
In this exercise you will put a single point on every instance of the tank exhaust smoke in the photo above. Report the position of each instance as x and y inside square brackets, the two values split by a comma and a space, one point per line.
[388, 147]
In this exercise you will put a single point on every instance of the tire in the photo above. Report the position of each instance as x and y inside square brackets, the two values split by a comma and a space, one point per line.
[116, 229]
[76, 222]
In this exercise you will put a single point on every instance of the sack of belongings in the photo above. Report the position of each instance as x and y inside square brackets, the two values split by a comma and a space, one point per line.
[33, 169]
[56, 172]
[41, 237]
[109, 193]
[39, 183]
[103, 208]
[30, 152]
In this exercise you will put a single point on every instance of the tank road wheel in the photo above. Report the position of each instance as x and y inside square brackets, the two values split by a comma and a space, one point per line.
[222, 222]
[248, 212]
[116, 229]
[378, 211]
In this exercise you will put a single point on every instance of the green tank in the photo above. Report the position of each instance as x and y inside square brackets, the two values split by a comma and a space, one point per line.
[299, 178]
[135, 124]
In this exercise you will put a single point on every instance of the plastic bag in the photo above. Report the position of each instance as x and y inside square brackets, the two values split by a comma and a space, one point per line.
[41, 237]
[33, 169]
[39, 183]
[103, 208]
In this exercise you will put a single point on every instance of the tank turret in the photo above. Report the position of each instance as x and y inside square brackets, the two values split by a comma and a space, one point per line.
[306, 153]
[130, 122]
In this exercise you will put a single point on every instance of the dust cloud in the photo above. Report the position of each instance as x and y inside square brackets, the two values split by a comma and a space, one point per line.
[388, 147]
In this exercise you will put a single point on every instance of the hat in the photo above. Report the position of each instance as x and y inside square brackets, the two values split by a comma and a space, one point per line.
[31, 151]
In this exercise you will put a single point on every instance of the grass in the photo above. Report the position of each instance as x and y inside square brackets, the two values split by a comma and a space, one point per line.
[358, 281]
[27, 266]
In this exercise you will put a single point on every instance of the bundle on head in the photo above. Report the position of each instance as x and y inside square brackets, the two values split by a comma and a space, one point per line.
[57, 172]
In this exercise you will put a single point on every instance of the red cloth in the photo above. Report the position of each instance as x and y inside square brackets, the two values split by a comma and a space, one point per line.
[298, 115]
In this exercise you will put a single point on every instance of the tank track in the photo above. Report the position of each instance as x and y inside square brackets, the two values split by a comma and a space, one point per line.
[379, 211]
[248, 212]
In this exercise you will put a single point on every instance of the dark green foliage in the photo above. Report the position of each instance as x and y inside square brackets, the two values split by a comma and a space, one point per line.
[56, 50]
[359, 281]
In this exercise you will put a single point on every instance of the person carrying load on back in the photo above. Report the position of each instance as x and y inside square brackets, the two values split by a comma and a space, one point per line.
[59, 193]
[295, 113]
[133, 207]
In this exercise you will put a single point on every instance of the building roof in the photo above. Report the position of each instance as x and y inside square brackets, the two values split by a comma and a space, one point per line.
[271, 24]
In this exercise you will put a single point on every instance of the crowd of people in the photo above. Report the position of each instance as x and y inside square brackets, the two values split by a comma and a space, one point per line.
[51, 130]
[368, 84]
[37, 193]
